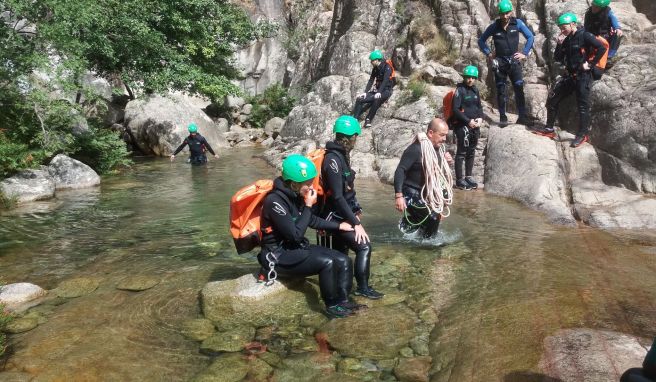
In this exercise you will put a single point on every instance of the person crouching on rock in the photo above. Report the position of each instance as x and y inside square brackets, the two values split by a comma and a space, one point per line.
[378, 90]
[197, 147]
[423, 184]
[341, 205]
[286, 215]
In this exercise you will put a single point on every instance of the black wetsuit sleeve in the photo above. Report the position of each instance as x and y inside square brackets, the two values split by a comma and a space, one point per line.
[184, 143]
[207, 145]
[480, 113]
[282, 222]
[458, 98]
[590, 39]
[319, 223]
[387, 73]
[334, 181]
[372, 78]
[408, 158]
[559, 53]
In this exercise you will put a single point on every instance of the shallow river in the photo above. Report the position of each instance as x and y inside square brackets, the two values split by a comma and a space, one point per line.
[510, 278]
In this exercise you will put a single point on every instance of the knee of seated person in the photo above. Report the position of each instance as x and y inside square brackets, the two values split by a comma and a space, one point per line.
[518, 84]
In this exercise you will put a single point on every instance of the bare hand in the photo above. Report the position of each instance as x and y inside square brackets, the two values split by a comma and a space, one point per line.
[491, 56]
[479, 122]
[619, 32]
[310, 197]
[472, 124]
[400, 204]
[359, 215]
[216, 156]
[561, 37]
[519, 56]
[361, 236]
[344, 226]
[449, 158]
[172, 158]
[586, 66]
[361, 95]
[377, 96]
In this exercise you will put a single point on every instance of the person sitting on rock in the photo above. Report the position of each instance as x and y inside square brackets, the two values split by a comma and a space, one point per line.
[286, 215]
[506, 58]
[468, 117]
[648, 371]
[601, 21]
[197, 147]
[378, 90]
[422, 181]
[341, 205]
[573, 43]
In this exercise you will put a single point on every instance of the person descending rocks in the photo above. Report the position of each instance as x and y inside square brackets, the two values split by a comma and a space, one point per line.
[198, 145]
[286, 215]
[423, 186]
[572, 49]
[506, 58]
[601, 21]
[341, 204]
[378, 90]
[648, 371]
[468, 119]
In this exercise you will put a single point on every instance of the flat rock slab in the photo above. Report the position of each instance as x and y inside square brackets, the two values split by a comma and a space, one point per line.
[28, 186]
[77, 287]
[198, 329]
[589, 355]
[137, 283]
[413, 369]
[21, 325]
[231, 341]
[13, 295]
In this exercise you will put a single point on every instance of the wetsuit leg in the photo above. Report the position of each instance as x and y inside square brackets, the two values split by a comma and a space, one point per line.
[635, 375]
[198, 160]
[376, 105]
[583, 86]
[362, 103]
[471, 150]
[518, 86]
[462, 139]
[362, 257]
[613, 44]
[430, 227]
[562, 88]
[500, 77]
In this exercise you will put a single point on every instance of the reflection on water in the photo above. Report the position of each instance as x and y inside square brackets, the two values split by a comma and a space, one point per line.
[516, 278]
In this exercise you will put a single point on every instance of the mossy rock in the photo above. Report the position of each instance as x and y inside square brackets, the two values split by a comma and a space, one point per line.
[271, 359]
[198, 329]
[15, 376]
[389, 299]
[21, 325]
[227, 368]
[77, 287]
[305, 367]
[376, 333]
[259, 370]
[413, 369]
[231, 341]
[137, 283]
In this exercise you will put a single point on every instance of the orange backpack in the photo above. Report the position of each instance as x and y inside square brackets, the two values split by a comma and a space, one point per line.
[593, 52]
[316, 156]
[245, 211]
[447, 106]
[393, 75]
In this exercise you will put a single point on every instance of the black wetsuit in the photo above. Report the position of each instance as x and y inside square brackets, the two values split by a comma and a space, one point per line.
[573, 54]
[197, 147]
[380, 77]
[648, 371]
[342, 205]
[285, 218]
[468, 99]
[409, 180]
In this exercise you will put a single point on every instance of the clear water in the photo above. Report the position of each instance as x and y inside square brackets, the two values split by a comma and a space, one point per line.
[515, 278]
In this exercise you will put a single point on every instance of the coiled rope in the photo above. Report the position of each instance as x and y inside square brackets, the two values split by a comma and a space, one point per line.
[437, 192]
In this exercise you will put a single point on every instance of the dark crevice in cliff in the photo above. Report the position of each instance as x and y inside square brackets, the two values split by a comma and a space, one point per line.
[343, 17]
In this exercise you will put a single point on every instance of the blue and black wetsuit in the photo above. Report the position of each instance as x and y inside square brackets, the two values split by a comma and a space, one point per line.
[573, 53]
[466, 106]
[605, 24]
[197, 147]
[409, 180]
[342, 205]
[506, 44]
[284, 220]
[381, 78]
[648, 371]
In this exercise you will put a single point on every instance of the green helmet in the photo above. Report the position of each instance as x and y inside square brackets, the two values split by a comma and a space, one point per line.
[376, 55]
[567, 18]
[470, 71]
[505, 6]
[347, 125]
[601, 3]
[298, 168]
[192, 128]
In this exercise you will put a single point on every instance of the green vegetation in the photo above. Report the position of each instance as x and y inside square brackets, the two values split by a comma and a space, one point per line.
[274, 102]
[5, 318]
[424, 30]
[415, 89]
[146, 47]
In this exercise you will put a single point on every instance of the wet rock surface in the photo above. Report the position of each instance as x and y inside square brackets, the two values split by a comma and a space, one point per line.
[69, 173]
[137, 283]
[77, 287]
[28, 186]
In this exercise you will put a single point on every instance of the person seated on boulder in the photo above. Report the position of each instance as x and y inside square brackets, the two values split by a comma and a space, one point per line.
[648, 371]
[341, 205]
[422, 181]
[286, 215]
[573, 43]
[601, 21]
[506, 58]
[378, 90]
[197, 146]
[468, 117]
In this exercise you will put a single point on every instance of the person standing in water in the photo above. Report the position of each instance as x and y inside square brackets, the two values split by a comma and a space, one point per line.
[423, 184]
[198, 145]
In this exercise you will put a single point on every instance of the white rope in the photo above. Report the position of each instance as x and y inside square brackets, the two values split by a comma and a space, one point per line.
[438, 177]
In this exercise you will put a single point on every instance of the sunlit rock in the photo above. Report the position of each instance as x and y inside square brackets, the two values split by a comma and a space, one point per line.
[77, 287]
[13, 295]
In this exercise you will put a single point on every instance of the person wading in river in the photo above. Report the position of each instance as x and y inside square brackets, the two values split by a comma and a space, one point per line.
[423, 184]
[198, 145]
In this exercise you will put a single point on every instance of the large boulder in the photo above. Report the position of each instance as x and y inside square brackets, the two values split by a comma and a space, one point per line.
[28, 186]
[527, 167]
[72, 174]
[159, 123]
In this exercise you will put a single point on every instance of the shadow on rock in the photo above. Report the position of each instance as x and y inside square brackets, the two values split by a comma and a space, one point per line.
[527, 376]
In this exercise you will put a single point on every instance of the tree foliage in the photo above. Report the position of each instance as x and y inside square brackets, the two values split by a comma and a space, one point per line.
[275, 101]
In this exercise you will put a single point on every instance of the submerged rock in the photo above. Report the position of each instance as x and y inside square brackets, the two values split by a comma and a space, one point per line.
[198, 329]
[226, 368]
[138, 283]
[305, 367]
[77, 287]
[376, 333]
[22, 324]
[230, 341]
[14, 295]
[413, 369]
[15, 376]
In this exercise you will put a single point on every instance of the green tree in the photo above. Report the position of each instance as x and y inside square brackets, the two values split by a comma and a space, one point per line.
[274, 102]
